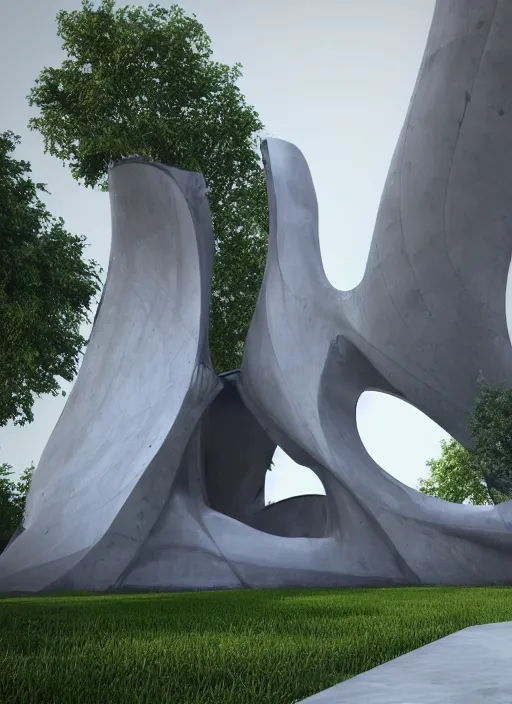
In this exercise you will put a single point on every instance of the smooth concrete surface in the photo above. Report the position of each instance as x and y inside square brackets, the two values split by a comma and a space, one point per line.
[302, 516]
[237, 455]
[471, 666]
[154, 475]
[427, 322]
[145, 380]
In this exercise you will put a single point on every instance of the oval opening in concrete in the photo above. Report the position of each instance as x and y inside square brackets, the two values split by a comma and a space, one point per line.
[296, 506]
[398, 437]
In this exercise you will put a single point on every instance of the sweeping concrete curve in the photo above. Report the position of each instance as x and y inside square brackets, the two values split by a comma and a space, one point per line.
[145, 380]
[303, 516]
[383, 529]
[154, 475]
[471, 666]
[426, 323]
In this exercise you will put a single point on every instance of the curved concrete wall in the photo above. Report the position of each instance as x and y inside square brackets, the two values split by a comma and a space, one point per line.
[430, 311]
[302, 516]
[237, 455]
[426, 323]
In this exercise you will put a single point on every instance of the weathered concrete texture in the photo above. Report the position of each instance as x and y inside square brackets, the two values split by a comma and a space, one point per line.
[238, 453]
[441, 251]
[296, 517]
[145, 381]
[472, 666]
[154, 475]
[426, 323]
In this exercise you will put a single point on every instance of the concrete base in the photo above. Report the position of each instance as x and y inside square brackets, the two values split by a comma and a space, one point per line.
[471, 666]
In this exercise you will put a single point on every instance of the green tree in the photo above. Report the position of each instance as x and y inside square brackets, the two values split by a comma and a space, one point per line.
[8, 512]
[46, 289]
[140, 81]
[482, 474]
[491, 426]
[13, 497]
[456, 476]
[22, 489]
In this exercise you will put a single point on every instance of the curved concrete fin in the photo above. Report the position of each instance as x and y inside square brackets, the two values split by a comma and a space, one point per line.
[297, 250]
[145, 380]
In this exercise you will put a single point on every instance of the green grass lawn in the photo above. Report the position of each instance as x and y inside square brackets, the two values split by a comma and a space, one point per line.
[238, 647]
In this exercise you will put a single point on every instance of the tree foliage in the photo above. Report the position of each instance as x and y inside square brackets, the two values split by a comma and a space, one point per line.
[140, 81]
[46, 289]
[491, 426]
[456, 476]
[482, 474]
[13, 496]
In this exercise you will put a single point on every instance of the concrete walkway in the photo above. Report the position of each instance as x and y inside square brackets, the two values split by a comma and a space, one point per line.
[471, 666]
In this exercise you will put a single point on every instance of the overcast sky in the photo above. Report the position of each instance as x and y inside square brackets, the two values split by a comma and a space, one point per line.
[332, 76]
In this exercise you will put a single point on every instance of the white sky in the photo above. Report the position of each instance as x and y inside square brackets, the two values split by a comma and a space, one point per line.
[335, 78]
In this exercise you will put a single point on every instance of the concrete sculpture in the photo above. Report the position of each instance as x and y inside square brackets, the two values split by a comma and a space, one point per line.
[153, 477]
